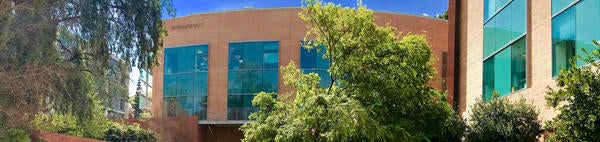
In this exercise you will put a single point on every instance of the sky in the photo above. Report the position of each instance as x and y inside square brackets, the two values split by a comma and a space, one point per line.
[429, 8]
[416, 7]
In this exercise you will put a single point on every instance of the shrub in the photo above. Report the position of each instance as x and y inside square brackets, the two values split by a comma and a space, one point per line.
[578, 100]
[125, 132]
[501, 120]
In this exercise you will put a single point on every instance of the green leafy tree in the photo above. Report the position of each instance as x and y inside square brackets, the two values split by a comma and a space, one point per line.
[500, 120]
[443, 15]
[578, 101]
[378, 87]
[55, 55]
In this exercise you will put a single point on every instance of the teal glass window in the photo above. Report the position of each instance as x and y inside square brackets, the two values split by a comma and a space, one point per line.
[504, 47]
[571, 32]
[185, 81]
[253, 68]
[559, 5]
[508, 25]
[506, 72]
[491, 7]
[313, 61]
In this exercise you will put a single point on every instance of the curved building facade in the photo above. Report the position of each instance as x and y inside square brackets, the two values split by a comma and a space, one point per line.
[213, 63]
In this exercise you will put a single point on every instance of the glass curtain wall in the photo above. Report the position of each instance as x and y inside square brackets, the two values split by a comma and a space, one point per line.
[312, 61]
[253, 68]
[504, 46]
[186, 81]
[573, 30]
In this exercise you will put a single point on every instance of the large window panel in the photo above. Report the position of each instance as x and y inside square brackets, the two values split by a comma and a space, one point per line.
[234, 83]
[201, 84]
[185, 81]
[308, 58]
[201, 59]
[170, 85]
[170, 60]
[563, 40]
[253, 68]
[185, 84]
[502, 67]
[235, 56]
[488, 78]
[270, 81]
[559, 5]
[252, 55]
[518, 65]
[587, 17]
[252, 81]
[271, 55]
[185, 59]
[492, 6]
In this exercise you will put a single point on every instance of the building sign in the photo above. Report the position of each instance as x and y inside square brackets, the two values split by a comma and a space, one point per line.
[187, 26]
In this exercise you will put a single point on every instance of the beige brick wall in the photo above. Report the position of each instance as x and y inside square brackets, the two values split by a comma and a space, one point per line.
[282, 24]
[539, 56]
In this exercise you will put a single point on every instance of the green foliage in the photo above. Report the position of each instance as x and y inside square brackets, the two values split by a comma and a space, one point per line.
[14, 135]
[379, 89]
[578, 101]
[443, 15]
[120, 132]
[500, 120]
[55, 55]
[59, 123]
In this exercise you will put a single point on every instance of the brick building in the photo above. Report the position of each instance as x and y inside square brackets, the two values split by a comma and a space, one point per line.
[517, 47]
[213, 63]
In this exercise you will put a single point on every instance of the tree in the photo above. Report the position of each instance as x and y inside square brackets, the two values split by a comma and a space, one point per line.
[55, 55]
[378, 87]
[578, 100]
[443, 15]
[500, 120]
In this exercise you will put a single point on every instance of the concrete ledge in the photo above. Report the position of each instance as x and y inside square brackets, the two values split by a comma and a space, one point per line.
[223, 122]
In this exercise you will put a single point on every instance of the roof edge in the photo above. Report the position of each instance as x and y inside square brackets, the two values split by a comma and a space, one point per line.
[277, 8]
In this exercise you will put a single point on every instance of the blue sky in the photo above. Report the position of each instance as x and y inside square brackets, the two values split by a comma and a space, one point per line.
[416, 7]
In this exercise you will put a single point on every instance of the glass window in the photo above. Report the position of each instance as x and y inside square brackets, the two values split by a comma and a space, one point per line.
[170, 60]
[235, 56]
[271, 55]
[518, 65]
[492, 6]
[559, 5]
[201, 83]
[308, 58]
[586, 23]
[571, 33]
[201, 58]
[185, 80]
[185, 84]
[170, 85]
[253, 68]
[185, 59]
[563, 40]
[506, 71]
[313, 60]
[252, 55]
[270, 81]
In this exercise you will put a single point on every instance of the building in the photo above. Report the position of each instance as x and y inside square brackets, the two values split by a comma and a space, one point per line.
[143, 94]
[117, 103]
[213, 63]
[517, 47]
